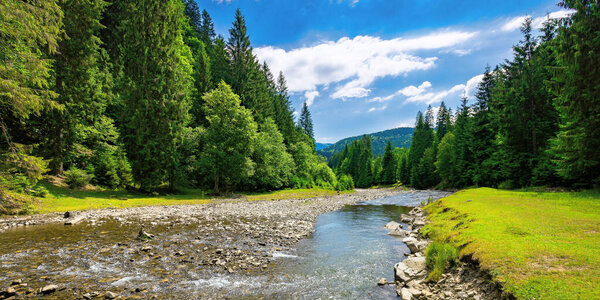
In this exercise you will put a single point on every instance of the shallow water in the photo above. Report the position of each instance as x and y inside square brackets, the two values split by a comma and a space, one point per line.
[347, 254]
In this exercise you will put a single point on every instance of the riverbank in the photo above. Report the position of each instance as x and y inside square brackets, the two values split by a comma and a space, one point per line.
[537, 245]
[223, 240]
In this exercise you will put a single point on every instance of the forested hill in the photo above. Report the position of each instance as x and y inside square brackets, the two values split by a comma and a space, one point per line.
[400, 137]
[321, 146]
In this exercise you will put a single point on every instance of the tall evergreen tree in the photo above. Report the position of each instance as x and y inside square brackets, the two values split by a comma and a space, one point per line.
[389, 165]
[240, 53]
[464, 156]
[157, 73]
[305, 122]
[207, 29]
[578, 94]
[482, 133]
[442, 121]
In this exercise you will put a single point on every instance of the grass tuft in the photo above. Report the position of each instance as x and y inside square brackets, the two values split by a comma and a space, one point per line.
[439, 257]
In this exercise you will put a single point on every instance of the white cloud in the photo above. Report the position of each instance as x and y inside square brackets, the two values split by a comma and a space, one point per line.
[515, 23]
[472, 85]
[221, 1]
[310, 97]
[372, 109]
[423, 94]
[360, 60]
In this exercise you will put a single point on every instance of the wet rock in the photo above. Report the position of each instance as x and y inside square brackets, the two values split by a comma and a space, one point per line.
[417, 264]
[382, 281]
[406, 219]
[49, 289]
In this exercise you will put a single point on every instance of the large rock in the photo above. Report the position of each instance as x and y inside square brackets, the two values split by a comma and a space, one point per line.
[418, 222]
[405, 294]
[415, 263]
[398, 232]
[412, 244]
[406, 219]
[393, 225]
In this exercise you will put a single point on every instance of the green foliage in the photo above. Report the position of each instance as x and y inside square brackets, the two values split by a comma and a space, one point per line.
[30, 31]
[400, 138]
[274, 165]
[446, 160]
[345, 183]
[438, 258]
[305, 122]
[156, 85]
[389, 165]
[230, 139]
[77, 178]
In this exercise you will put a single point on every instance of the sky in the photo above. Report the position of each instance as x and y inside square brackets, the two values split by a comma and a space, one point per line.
[365, 66]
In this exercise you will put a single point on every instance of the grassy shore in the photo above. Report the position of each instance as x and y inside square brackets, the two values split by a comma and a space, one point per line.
[539, 245]
[62, 199]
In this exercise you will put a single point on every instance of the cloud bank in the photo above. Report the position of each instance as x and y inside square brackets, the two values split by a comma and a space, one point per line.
[357, 62]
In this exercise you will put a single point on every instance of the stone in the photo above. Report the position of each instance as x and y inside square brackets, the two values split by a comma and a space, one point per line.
[393, 225]
[142, 235]
[406, 219]
[49, 289]
[417, 264]
[110, 295]
[87, 296]
[418, 222]
[411, 243]
[414, 292]
[67, 215]
[16, 282]
[422, 245]
[398, 232]
[146, 248]
[462, 295]
[382, 281]
[405, 294]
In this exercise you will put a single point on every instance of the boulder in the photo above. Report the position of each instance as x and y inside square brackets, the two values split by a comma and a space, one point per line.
[393, 225]
[416, 211]
[411, 243]
[405, 294]
[406, 219]
[422, 245]
[9, 292]
[398, 232]
[417, 264]
[110, 295]
[418, 222]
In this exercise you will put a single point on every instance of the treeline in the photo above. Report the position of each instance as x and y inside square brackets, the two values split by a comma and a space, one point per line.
[535, 120]
[145, 95]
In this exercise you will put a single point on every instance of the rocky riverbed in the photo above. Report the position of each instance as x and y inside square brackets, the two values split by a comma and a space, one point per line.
[466, 281]
[101, 253]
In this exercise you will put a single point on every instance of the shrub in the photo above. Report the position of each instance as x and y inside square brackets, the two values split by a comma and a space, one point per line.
[439, 257]
[77, 178]
[345, 183]
[298, 182]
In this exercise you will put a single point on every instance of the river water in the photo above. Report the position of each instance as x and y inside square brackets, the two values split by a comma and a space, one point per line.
[345, 257]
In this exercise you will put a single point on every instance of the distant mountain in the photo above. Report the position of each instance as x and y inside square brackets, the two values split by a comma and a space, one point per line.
[400, 138]
[321, 146]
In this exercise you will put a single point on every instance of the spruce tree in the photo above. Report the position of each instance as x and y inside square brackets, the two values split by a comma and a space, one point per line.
[305, 122]
[482, 133]
[577, 94]
[157, 81]
[389, 165]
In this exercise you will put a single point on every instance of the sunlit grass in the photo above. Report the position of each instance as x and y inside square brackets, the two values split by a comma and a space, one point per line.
[539, 245]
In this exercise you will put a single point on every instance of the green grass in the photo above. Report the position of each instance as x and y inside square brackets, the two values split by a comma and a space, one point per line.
[539, 245]
[62, 199]
[439, 257]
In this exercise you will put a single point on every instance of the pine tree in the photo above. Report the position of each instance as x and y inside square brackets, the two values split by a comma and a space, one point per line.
[464, 156]
[305, 122]
[284, 117]
[482, 133]
[240, 53]
[30, 31]
[207, 29]
[577, 93]
[389, 165]
[442, 121]
[157, 80]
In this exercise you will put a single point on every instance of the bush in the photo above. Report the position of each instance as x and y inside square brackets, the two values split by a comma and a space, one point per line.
[77, 178]
[345, 183]
[301, 182]
[439, 257]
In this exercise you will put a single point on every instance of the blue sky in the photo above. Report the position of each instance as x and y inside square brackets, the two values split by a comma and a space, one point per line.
[371, 65]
